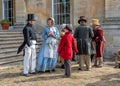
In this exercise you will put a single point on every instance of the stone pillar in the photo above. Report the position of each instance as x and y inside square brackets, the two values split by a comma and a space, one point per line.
[0, 9]
[112, 8]
[111, 26]
[20, 11]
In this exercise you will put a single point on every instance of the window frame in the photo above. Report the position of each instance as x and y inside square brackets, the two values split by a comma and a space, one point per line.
[7, 11]
[60, 12]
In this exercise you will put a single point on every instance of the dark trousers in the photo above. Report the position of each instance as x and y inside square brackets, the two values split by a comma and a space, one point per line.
[73, 58]
[92, 57]
[67, 64]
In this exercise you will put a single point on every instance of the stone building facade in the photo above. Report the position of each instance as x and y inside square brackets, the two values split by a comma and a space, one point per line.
[44, 8]
[107, 11]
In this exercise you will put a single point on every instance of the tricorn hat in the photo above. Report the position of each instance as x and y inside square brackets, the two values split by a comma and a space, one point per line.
[82, 18]
[31, 17]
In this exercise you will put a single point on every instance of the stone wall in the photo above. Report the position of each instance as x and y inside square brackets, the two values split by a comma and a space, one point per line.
[20, 11]
[41, 8]
[111, 26]
[89, 8]
[112, 42]
[0, 9]
[0, 13]
[112, 8]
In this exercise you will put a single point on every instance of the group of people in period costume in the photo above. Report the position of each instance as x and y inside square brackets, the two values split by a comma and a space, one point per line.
[62, 45]
[90, 43]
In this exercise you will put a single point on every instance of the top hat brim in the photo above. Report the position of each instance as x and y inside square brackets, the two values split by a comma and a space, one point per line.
[30, 20]
[82, 20]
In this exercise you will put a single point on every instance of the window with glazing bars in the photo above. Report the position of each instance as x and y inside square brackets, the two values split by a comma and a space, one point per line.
[61, 11]
[8, 10]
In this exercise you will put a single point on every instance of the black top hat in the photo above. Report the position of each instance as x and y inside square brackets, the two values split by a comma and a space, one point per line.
[69, 27]
[31, 17]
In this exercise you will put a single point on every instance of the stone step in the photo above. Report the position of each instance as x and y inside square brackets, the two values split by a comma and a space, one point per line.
[10, 36]
[10, 50]
[10, 31]
[15, 45]
[14, 38]
[16, 42]
[11, 60]
[10, 42]
[4, 55]
[15, 63]
[9, 46]
[12, 54]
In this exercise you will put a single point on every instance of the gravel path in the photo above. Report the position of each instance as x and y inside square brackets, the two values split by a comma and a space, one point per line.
[105, 76]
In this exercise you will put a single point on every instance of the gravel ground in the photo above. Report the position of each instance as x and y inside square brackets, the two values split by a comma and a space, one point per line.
[105, 76]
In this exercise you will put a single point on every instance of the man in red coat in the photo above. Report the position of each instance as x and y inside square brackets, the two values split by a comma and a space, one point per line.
[65, 49]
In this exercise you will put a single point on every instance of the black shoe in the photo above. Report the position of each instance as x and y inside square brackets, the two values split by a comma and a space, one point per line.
[53, 70]
[62, 66]
[40, 72]
[95, 65]
[33, 73]
[27, 75]
[73, 59]
[48, 71]
[80, 69]
[68, 76]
